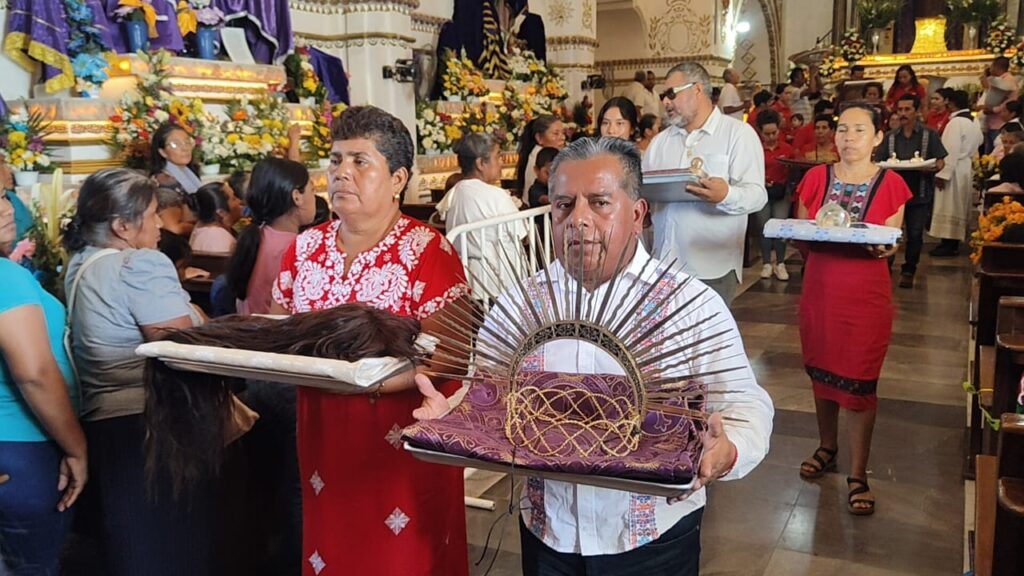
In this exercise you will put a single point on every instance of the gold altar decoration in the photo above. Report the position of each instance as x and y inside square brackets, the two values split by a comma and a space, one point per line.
[930, 35]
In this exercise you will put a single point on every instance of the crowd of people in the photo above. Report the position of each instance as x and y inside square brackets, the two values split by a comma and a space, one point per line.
[334, 491]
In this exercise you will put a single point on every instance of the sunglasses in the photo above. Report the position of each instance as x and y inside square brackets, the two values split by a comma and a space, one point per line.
[670, 94]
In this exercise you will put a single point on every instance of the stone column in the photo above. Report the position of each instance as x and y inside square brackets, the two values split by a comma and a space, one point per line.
[571, 29]
[367, 35]
[838, 20]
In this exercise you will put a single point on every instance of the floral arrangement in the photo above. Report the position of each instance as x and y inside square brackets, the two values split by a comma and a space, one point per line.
[85, 47]
[963, 11]
[485, 119]
[878, 13]
[255, 129]
[137, 10]
[192, 13]
[23, 143]
[461, 79]
[436, 131]
[1000, 37]
[526, 67]
[302, 79]
[993, 224]
[852, 47]
[50, 216]
[1017, 60]
[581, 112]
[984, 167]
[141, 112]
[828, 67]
[320, 141]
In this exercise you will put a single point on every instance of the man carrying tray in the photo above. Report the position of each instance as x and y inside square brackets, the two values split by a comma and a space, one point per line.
[568, 528]
[912, 138]
[707, 236]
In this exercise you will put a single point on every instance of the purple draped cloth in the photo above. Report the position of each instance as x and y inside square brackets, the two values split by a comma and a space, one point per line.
[669, 449]
[106, 26]
[169, 35]
[267, 23]
[331, 72]
[38, 30]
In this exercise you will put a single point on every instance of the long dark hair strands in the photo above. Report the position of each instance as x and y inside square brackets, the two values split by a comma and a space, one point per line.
[187, 414]
[269, 197]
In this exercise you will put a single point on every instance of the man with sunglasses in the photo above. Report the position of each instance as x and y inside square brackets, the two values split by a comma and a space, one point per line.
[707, 236]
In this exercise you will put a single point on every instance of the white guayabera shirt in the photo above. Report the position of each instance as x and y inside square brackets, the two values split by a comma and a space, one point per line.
[589, 520]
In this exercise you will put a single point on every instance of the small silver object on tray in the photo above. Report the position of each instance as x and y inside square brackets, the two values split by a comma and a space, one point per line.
[669, 185]
[625, 484]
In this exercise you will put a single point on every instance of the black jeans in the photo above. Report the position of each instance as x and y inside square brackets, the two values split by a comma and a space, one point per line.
[916, 218]
[675, 553]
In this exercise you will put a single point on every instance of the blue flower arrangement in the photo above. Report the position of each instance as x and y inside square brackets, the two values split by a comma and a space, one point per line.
[85, 47]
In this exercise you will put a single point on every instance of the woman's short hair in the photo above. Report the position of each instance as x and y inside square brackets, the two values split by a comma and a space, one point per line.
[210, 198]
[388, 133]
[626, 108]
[472, 147]
[105, 196]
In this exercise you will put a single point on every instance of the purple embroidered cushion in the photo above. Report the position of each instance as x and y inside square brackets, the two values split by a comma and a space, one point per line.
[668, 451]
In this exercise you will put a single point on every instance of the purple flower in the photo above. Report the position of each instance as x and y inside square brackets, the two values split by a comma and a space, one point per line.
[123, 12]
[36, 145]
[210, 16]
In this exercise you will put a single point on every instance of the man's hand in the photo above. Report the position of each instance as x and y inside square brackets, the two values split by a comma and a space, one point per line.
[712, 190]
[941, 182]
[435, 404]
[719, 457]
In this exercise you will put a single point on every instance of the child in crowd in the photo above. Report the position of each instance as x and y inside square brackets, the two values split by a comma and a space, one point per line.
[796, 121]
[539, 191]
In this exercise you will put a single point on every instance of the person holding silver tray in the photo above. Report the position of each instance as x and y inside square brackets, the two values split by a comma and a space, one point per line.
[706, 235]
[846, 309]
[608, 368]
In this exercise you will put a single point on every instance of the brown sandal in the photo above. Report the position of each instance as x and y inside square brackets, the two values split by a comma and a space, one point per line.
[816, 466]
[859, 506]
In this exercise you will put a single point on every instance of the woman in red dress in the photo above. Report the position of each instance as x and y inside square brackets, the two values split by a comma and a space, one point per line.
[846, 307]
[368, 507]
[906, 83]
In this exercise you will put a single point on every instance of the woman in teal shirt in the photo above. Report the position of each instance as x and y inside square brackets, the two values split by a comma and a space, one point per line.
[42, 447]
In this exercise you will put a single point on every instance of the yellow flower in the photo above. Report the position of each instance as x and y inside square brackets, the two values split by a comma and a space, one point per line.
[267, 138]
[16, 139]
[251, 139]
[232, 138]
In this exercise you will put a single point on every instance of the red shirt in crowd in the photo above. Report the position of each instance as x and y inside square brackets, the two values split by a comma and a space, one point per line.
[804, 135]
[896, 91]
[937, 120]
[776, 172]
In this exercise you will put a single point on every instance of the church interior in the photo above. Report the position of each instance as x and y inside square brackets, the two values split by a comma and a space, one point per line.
[92, 85]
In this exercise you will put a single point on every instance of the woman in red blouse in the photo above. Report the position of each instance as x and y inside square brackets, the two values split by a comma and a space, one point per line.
[905, 83]
[823, 149]
[939, 112]
[846, 309]
[368, 507]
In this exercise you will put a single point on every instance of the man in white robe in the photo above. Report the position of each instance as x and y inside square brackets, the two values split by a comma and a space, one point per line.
[953, 184]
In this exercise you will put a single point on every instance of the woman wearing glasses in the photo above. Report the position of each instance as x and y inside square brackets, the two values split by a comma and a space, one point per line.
[171, 160]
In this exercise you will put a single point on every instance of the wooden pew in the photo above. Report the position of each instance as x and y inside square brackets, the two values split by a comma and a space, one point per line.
[1000, 273]
[1008, 549]
[199, 288]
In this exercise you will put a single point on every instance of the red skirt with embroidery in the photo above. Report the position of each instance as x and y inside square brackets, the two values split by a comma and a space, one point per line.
[846, 316]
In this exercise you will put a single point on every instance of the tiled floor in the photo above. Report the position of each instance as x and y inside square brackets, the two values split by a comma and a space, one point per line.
[774, 523]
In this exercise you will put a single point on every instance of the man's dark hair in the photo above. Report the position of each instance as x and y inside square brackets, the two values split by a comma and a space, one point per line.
[826, 118]
[794, 73]
[545, 156]
[960, 99]
[762, 97]
[766, 117]
[911, 98]
[1002, 62]
[822, 105]
[856, 68]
